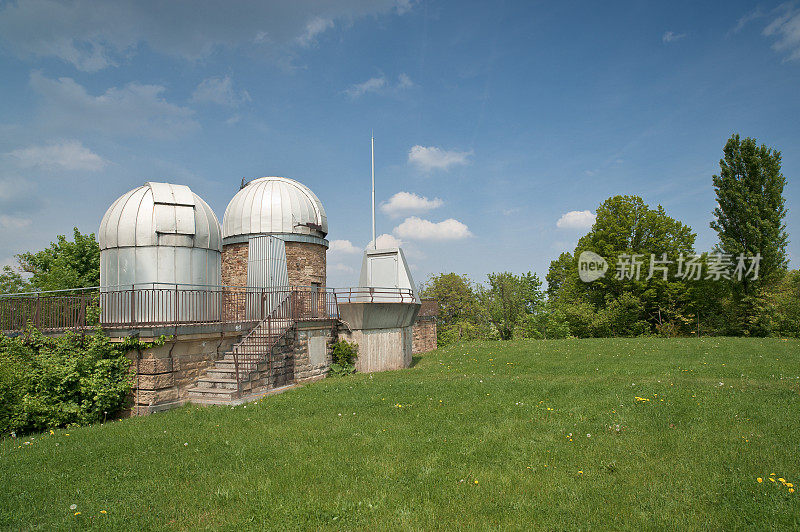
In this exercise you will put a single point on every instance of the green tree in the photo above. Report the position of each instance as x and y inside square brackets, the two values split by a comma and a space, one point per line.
[65, 264]
[12, 282]
[627, 232]
[459, 313]
[749, 218]
[509, 298]
[558, 273]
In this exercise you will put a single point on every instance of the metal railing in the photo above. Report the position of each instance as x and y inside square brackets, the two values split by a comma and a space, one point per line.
[156, 305]
[364, 294]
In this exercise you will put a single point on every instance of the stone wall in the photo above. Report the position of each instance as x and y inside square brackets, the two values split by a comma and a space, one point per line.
[305, 263]
[308, 367]
[234, 264]
[162, 375]
[424, 335]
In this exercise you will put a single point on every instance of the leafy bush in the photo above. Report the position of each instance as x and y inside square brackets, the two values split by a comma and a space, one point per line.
[344, 356]
[69, 380]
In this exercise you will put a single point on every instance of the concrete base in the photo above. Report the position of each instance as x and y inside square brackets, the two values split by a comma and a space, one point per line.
[381, 349]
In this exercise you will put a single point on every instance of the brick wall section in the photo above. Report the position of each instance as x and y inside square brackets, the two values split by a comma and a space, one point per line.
[234, 264]
[162, 375]
[305, 262]
[424, 335]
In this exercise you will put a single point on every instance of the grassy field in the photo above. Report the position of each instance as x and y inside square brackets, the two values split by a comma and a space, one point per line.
[572, 434]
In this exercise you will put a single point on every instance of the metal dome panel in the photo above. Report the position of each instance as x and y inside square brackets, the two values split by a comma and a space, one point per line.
[147, 214]
[275, 205]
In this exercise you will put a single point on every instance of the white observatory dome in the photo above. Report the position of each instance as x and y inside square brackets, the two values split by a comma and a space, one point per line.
[160, 233]
[275, 205]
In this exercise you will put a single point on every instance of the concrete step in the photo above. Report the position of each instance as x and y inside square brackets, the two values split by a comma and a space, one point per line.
[207, 383]
[212, 394]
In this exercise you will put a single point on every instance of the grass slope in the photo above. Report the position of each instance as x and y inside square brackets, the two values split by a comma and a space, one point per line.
[476, 436]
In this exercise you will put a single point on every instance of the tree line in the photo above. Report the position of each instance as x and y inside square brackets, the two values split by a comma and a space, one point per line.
[657, 283]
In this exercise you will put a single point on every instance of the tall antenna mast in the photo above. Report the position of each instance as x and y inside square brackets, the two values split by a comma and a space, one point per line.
[374, 242]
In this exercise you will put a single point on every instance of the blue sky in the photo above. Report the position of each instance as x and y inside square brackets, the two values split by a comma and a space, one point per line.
[497, 124]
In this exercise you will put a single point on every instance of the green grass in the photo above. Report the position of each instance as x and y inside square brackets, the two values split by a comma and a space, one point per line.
[481, 441]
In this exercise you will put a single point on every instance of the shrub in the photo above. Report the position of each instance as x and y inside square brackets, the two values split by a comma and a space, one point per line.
[55, 382]
[344, 356]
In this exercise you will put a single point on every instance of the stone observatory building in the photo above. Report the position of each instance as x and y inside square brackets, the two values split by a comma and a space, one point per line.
[282, 208]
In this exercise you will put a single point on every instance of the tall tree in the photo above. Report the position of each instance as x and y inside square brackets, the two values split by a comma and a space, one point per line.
[749, 218]
[65, 264]
[509, 298]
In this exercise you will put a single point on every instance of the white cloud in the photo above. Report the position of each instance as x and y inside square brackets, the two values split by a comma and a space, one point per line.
[371, 85]
[133, 110]
[219, 91]
[670, 36]
[343, 246]
[404, 82]
[343, 268]
[576, 220]
[404, 203]
[433, 158]
[11, 222]
[69, 155]
[785, 28]
[95, 34]
[379, 84]
[315, 27]
[387, 241]
[418, 229]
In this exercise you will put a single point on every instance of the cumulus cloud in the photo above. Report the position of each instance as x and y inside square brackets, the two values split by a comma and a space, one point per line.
[404, 203]
[343, 246]
[132, 110]
[387, 241]
[219, 91]
[379, 84]
[95, 34]
[371, 85]
[69, 155]
[315, 27]
[785, 29]
[343, 268]
[11, 222]
[433, 158]
[576, 220]
[418, 229]
[670, 36]
[404, 82]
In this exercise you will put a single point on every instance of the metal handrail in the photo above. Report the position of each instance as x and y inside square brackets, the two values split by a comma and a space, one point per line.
[368, 294]
[139, 307]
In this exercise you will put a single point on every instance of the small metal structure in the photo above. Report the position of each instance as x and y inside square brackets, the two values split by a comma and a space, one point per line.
[160, 233]
[275, 206]
[387, 268]
[266, 269]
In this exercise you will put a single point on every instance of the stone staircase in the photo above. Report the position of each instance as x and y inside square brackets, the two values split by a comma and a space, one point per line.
[262, 366]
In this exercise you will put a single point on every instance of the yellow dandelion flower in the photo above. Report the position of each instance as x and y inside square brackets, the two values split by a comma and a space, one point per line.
[77, 513]
[580, 472]
[791, 490]
[782, 480]
[771, 479]
[760, 480]
[476, 482]
[789, 485]
[103, 511]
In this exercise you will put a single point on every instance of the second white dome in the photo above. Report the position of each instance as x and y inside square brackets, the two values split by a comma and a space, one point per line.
[274, 205]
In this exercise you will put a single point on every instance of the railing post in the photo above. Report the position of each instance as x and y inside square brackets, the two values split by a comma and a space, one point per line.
[133, 306]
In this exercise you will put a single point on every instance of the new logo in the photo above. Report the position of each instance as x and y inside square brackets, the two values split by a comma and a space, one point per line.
[591, 266]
